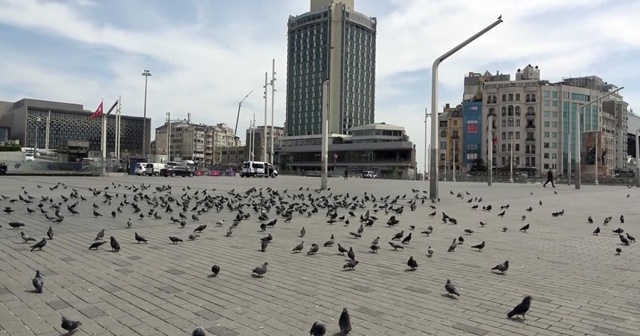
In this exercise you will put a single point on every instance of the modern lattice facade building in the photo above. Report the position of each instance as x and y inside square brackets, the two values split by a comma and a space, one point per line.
[61, 122]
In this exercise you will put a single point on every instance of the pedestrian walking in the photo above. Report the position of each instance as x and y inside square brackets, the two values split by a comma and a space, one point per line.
[549, 179]
[346, 173]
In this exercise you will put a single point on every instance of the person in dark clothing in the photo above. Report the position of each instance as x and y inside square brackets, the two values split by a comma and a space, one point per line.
[346, 174]
[549, 179]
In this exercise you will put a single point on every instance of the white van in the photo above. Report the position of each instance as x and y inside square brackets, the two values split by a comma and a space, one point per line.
[258, 169]
[369, 174]
[153, 169]
[141, 169]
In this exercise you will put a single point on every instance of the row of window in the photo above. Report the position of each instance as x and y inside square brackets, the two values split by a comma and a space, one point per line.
[529, 98]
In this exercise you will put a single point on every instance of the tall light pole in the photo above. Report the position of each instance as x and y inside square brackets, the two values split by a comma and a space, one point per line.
[637, 175]
[433, 173]
[35, 143]
[454, 143]
[168, 136]
[490, 149]
[325, 135]
[511, 160]
[273, 93]
[264, 130]
[235, 130]
[595, 181]
[578, 178]
[146, 74]
[426, 130]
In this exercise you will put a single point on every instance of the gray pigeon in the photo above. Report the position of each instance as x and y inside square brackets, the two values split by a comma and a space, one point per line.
[69, 325]
[39, 245]
[37, 282]
[317, 329]
[261, 270]
[100, 235]
[451, 289]
[502, 267]
[344, 322]
[198, 331]
[50, 233]
[115, 246]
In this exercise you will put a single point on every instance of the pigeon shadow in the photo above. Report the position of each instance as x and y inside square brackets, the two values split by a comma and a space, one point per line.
[212, 276]
[339, 333]
[498, 273]
[348, 269]
[256, 276]
[69, 333]
[32, 291]
[452, 297]
[410, 269]
[517, 319]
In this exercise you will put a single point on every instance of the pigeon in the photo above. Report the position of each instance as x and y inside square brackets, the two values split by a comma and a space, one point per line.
[521, 309]
[215, 269]
[479, 246]
[631, 238]
[596, 231]
[430, 252]
[50, 233]
[298, 247]
[314, 249]
[618, 231]
[407, 239]
[451, 289]
[175, 240]
[618, 251]
[504, 229]
[524, 228]
[302, 232]
[460, 240]
[69, 325]
[200, 228]
[261, 270]
[95, 245]
[26, 238]
[453, 246]
[351, 254]
[140, 239]
[341, 249]
[624, 240]
[129, 223]
[351, 264]
[317, 329]
[590, 220]
[37, 282]
[398, 235]
[39, 245]
[100, 235]
[396, 246]
[16, 225]
[412, 263]
[501, 267]
[374, 248]
[622, 219]
[115, 246]
[344, 322]
[468, 231]
[199, 331]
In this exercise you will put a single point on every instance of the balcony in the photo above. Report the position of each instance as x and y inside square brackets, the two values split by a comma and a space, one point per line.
[530, 140]
[530, 152]
[529, 126]
[530, 114]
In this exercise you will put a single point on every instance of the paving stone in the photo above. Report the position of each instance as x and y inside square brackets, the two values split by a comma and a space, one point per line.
[92, 312]
[579, 286]
[470, 329]
[221, 331]
[57, 305]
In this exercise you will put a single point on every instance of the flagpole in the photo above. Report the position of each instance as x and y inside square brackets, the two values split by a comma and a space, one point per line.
[103, 141]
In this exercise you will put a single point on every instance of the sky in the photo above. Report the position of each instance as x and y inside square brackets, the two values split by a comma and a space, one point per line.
[206, 55]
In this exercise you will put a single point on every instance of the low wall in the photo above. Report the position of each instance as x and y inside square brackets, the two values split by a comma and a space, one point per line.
[43, 167]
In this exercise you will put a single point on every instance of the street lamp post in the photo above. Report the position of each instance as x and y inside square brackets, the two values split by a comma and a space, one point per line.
[637, 175]
[146, 74]
[490, 149]
[35, 142]
[595, 181]
[511, 160]
[426, 128]
[433, 171]
[453, 169]
[578, 179]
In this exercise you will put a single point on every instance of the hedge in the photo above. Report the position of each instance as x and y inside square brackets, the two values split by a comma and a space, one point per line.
[10, 148]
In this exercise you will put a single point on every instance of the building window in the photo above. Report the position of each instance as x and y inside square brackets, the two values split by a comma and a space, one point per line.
[547, 93]
[547, 102]
[517, 122]
[510, 122]
[517, 111]
[546, 124]
[504, 147]
[546, 155]
[511, 97]
[504, 135]
[504, 97]
[504, 111]
[504, 122]
[546, 145]
[517, 97]
[517, 135]
[517, 147]
[554, 94]
[510, 109]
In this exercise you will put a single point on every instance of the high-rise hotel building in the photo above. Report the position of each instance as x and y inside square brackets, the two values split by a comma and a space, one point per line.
[330, 42]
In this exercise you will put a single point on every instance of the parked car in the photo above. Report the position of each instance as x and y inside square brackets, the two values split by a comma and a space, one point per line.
[369, 174]
[141, 169]
[153, 169]
[258, 169]
[174, 171]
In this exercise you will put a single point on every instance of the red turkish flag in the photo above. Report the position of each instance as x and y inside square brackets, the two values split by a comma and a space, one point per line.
[98, 113]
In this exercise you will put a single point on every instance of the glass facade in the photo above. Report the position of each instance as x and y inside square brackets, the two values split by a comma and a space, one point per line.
[309, 64]
[472, 138]
[65, 126]
[588, 122]
[4, 134]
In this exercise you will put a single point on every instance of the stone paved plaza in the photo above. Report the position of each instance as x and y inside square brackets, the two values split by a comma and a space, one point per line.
[578, 283]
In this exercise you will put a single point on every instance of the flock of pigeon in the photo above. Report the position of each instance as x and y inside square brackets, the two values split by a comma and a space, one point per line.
[269, 206]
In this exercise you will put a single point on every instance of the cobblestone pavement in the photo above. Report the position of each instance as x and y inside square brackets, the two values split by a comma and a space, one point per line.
[579, 286]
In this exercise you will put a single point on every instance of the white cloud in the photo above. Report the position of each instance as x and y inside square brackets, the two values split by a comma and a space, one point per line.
[206, 66]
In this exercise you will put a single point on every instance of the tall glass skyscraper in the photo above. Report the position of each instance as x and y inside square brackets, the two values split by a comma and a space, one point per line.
[330, 42]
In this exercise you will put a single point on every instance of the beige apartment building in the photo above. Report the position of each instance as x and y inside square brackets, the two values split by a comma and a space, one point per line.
[183, 140]
[538, 119]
